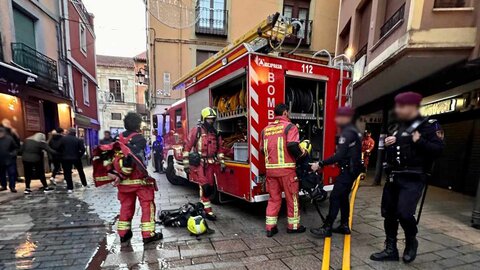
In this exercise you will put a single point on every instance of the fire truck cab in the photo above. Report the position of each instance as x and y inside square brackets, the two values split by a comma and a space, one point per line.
[244, 83]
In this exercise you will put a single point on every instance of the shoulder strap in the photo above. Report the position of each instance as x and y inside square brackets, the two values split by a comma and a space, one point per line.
[287, 129]
[126, 140]
[197, 136]
[415, 125]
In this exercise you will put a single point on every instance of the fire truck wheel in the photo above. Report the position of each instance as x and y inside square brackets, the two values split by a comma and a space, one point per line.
[171, 176]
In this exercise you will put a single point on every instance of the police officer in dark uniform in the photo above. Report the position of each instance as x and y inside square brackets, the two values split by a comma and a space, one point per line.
[411, 148]
[348, 156]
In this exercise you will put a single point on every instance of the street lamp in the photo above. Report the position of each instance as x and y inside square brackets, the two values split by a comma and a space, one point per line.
[142, 76]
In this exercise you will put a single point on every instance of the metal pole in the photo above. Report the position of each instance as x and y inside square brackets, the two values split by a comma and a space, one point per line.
[381, 150]
[476, 210]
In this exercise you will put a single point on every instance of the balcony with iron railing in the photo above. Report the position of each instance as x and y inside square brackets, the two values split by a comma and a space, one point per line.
[396, 19]
[212, 22]
[39, 64]
[307, 33]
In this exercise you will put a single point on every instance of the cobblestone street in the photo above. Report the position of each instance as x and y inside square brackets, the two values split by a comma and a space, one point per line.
[60, 231]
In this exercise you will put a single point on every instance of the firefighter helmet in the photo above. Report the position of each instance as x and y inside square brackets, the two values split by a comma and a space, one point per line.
[208, 113]
[196, 225]
[306, 145]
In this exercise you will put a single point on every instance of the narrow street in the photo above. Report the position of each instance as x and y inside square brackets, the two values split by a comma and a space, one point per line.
[60, 231]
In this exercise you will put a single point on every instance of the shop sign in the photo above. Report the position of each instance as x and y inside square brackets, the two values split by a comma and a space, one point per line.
[439, 107]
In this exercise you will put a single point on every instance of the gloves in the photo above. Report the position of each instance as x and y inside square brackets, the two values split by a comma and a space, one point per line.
[316, 165]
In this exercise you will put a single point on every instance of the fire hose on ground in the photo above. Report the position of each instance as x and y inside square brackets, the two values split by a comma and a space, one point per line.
[348, 237]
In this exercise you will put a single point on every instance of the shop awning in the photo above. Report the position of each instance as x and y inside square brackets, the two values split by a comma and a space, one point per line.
[12, 78]
[86, 122]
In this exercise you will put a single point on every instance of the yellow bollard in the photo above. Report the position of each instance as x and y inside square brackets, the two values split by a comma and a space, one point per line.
[346, 241]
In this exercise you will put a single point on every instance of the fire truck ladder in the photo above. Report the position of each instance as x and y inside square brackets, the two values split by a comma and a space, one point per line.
[345, 65]
[271, 31]
[346, 242]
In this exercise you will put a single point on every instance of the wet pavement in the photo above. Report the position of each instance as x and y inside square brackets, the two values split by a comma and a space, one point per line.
[60, 231]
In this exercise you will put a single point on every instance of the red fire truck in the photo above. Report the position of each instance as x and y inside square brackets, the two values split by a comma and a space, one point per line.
[244, 82]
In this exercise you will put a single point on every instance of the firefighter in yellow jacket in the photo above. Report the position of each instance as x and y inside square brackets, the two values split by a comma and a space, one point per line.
[203, 157]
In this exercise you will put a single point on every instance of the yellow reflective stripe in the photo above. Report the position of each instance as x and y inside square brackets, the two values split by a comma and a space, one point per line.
[296, 217]
[152, 212]
[271, 220]
[293, 220]
[207, 204]
[284, 165]
[281, 156]
[103, 178]
[265, 149]
[135, 182]
[123, 225]
[147, 226]
[199, 144]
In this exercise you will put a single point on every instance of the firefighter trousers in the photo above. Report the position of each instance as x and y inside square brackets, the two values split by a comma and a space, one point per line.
[127, 195]
[203, 175]
[275, 186]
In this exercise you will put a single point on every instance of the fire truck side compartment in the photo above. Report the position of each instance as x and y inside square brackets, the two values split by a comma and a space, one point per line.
[306, 98]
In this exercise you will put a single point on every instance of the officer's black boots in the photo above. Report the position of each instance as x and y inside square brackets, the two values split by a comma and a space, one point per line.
[390, 253]
[156, 237]
[300, 229]
[125, 240]
[272, 232]
[322, 232]
[410, 252]
[342, 229]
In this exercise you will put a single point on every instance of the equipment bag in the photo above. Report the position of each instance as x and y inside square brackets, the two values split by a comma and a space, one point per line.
[179, 217]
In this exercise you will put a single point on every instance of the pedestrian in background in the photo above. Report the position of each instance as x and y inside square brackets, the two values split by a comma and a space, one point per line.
[107, 138]
[8, 157]
[55, 158]
[158, 154]
[11, 131]
[368, 144]
[32, 152]
[72, 149]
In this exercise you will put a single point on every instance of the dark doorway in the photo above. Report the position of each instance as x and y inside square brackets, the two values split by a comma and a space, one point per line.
[50, 113]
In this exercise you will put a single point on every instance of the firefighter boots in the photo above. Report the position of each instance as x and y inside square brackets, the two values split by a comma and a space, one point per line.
[300, 229]
[322, 232]
[125, 240]
[342, 229]
[390, 253]
[410, 252]
[156, 237]
[272, 231]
